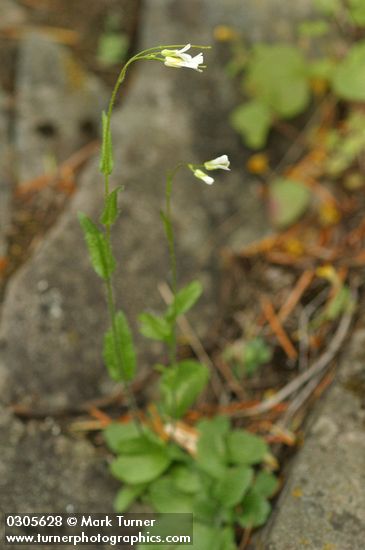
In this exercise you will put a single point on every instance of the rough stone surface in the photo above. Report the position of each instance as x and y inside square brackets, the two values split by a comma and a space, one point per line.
[43, 470]
[5, 185]
[57, 106]
[322, 506]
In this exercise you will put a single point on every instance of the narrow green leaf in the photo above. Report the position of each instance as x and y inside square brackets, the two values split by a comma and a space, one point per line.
[245, 447]
[127, 495]
[184, 300]
[106, 158]
[99, 249]
[110, 212]
[155, 327]
[181, 386]
[232, 486]
[119, 353]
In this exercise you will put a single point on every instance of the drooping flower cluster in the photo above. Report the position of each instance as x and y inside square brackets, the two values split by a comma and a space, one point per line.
[179, 58]
[219, 163]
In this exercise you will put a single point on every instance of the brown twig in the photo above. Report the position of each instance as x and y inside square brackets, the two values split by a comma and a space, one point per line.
[277, 328]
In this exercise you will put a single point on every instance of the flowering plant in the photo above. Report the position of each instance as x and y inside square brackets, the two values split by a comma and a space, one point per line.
[172, 467]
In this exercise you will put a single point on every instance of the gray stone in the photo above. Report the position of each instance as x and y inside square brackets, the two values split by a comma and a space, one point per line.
[11, 14]
[5, 185]
[45, 471]
[322, 506]
[57, 106]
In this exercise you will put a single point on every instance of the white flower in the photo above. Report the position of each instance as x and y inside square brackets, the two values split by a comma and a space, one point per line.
[178, 59]
[220, 163]
[178, 53]
[202, 176]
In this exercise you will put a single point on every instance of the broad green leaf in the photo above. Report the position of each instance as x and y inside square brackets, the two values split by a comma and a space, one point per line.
[100, 253]
[256, 510]
[118, 352]
[185, 299]
[204, 538]
[327, 7]
[252, 120]
[116, 434]
[165, 497]
[212, 450]
[110, 212]
[186, 478]
[112, 48]
[357, 12]
[321, 68]
[245, 447]
[348, 79]
[106, 158]
[152, 461]
[154, 327]
[181, 386]
[127, 495]
[317, 27]
[266, 484]
[276, 75]
[288, 200]
[232, 486]
[206, 508]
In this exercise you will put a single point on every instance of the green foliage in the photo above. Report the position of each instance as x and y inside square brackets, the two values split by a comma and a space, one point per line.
[349, 77]
[110, 212]
[289, 199]
[99, 248]
[220, 486]
[155, 327]
[180, 387]
[278, 79]
[112, 48]
[252, 121]
[247, 357]
[276, 76]
[118, 352]
[106, 159]
[184, 300]
[245, 448]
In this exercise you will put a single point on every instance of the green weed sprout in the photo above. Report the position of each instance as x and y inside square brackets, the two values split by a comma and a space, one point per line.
[212, 487]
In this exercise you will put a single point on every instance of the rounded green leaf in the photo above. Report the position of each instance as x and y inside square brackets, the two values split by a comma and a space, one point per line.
[186, 479]
[245, 448]
[348, 78]
[126, 496]
[232, 486]
[252, 121]
[288, 200]
[181, 386]
[116, 434]
[165, 497]
[211, 449]
[151, 461]
[154, 327]
[266, 484]
[256, 510]
[277, 76]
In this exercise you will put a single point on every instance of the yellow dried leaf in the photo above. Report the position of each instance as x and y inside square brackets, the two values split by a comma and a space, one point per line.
[258, 164]
[224, 33]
